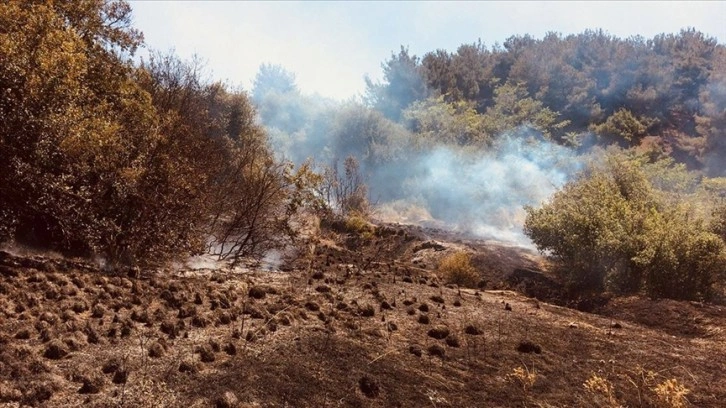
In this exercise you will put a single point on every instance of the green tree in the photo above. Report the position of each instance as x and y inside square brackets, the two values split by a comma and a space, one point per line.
[402, 85]
[513, 107]
[623, 127]
[436, 121]
[273, 78]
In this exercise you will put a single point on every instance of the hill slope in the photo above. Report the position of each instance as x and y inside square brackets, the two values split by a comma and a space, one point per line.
[364, 322]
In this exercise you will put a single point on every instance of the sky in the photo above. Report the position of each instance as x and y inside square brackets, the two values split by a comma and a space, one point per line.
[331, 46]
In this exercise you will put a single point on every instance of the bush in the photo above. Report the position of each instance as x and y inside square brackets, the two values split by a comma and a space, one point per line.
[456, 268]
[718, 222]
[356, 223]
[345, 194]
[136, 164]
[680, 259]
[608, 230]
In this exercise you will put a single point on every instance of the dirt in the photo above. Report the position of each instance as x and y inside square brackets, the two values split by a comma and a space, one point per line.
[363, 321]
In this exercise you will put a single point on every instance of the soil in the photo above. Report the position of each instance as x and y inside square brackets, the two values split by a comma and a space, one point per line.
[361, 320]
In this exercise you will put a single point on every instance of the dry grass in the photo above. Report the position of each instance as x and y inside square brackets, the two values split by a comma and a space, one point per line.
[147, 345]
[524, 377]
[601, 391]
[456, 268]
[672, 393]
[356, 223]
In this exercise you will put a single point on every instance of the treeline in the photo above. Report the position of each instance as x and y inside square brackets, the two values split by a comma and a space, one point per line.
[135, 163]
[664, 96]
[667, 93]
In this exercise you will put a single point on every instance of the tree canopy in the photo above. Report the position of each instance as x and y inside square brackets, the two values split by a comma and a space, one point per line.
[669, 87]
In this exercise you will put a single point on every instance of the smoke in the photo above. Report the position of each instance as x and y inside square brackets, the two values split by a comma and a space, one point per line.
[476, 191]
[714, 125]
[482, 193]
[272, 260]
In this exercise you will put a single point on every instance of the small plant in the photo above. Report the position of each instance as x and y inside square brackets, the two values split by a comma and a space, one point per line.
[524, 376]
[602, 390]
[357, 223]
[456, 268]
[671, 393]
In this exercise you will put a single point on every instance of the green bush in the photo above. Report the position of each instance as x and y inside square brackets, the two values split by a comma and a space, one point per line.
[608, 230]
[681, 259]
[718, 222]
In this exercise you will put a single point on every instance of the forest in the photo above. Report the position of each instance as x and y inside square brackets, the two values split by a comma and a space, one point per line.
[607, 154]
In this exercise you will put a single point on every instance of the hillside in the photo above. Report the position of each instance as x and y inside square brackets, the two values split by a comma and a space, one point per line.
[121, 168]
[368, 327]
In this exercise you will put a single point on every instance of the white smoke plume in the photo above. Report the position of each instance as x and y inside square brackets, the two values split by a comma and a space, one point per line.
[483, 193]
[480, 191]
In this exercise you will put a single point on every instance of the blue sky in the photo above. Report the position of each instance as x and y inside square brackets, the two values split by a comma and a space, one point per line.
[331, 46]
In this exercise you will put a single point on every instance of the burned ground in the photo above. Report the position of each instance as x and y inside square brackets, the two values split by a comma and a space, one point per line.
[363, 321]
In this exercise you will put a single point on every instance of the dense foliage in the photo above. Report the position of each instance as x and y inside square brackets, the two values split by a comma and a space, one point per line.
[654, 224]
[671, 87]
[134, 163]
[613, 229]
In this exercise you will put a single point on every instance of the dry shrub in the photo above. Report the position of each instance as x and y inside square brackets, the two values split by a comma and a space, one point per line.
[357, 223]
[524, 376]
[671, 394]
[456, 268]
[602, 391]
[137, 164]
[344, 193]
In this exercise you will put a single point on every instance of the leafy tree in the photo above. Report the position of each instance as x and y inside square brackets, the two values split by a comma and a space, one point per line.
[711, 120]
[137, 164]
[367, 135]
[436, 121]
[513, 107]
[466, 75]
[718, 223]
[623, 127]
[273, 78]
[436, 68]
[75, 128]
[227, 187]
[691, 55]
[473, 68]
[402, 85]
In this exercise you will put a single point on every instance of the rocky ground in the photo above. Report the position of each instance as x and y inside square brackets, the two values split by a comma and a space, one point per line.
[361, 320]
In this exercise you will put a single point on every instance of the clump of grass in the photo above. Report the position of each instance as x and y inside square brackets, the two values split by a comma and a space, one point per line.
[524, 376]
[671, 393]
[457, 269]
[357, 223]
[602, 390]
